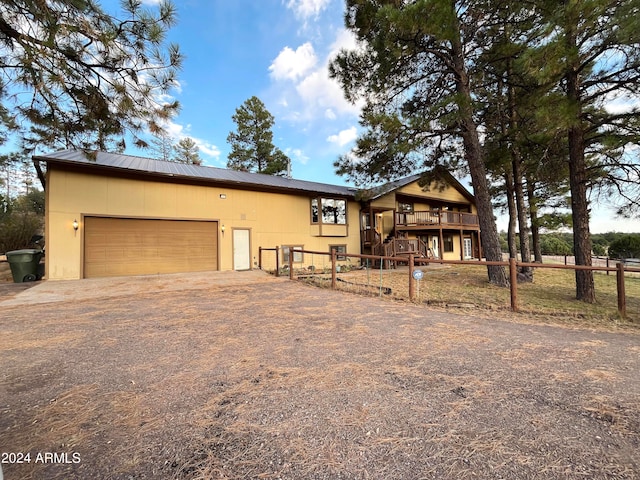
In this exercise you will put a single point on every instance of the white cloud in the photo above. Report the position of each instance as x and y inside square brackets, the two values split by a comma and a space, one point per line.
[309, 91]
[290, 64]
[297, 155]
[207, 148]
[346, 40]
[344, 137]
[307, 8]
[329, 114]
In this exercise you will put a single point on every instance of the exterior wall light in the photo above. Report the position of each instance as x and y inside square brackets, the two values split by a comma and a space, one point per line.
[222, 229]
[75, 225]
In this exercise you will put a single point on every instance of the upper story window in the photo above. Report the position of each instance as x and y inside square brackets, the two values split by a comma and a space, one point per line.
[329, 210]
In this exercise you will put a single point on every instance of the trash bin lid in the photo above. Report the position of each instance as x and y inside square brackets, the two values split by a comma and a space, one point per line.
[30, 251]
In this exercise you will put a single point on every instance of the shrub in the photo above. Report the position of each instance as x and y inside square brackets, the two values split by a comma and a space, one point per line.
[17, 228]
[554, 246]
[627, 246]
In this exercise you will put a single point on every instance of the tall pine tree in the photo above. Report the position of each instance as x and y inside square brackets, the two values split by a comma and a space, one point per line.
[590, 56]
[252, 148]
[413, 71]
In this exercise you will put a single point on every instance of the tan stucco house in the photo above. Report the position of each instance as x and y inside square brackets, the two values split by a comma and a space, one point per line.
[112, 214]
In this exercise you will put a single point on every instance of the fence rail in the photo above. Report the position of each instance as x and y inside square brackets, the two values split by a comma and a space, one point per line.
[513, 268]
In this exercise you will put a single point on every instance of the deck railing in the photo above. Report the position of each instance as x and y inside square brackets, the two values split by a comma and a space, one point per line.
[402, 246]
[435, 218]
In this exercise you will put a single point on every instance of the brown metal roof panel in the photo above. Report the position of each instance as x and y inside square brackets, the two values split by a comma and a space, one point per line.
[148, 165]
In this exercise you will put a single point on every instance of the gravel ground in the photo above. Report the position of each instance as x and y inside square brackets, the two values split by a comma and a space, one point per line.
[276, 379]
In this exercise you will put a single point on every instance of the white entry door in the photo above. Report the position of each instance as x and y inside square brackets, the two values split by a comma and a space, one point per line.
[241, 250]
[434, 247]
[466, 243]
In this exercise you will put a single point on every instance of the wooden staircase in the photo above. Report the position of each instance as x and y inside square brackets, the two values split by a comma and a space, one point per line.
[401, 247]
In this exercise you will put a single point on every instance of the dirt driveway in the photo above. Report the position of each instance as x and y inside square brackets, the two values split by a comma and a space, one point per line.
[247, 376]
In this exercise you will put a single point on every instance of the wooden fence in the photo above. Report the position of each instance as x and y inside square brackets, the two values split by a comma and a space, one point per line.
[513, 266]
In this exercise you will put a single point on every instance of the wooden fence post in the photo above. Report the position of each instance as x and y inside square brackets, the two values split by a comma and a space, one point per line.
[513, 282]
[291, 263]
[622, 299]
[608, 266]
[259, 258]
[334, 279]
[277, 261]
[412, 281]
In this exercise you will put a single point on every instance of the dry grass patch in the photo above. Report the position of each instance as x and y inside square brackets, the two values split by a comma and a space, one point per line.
[551, 295]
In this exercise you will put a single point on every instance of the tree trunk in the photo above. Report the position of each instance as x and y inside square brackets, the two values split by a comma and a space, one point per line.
[535, 223]
[473, 153]
[585, 287]
[516, 163]
[511, 206]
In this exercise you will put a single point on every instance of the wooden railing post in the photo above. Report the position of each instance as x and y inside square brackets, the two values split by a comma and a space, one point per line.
[334, 279]
[259, 258]
[412, 281]
[513, 281]
[277, 261]
[622, 299]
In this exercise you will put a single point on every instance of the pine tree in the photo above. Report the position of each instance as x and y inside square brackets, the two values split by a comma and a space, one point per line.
[187, 151]
[589, 56]
[252, 148]
[82, 77]
[412, 69]
[162, 146]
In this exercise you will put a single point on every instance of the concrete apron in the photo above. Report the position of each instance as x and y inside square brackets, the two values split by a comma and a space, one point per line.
[94, 288]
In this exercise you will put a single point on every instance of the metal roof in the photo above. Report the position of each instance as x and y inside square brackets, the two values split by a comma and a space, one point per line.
[381, 190]
[148, 166]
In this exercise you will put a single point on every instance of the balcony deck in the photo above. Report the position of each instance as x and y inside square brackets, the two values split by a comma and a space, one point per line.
[436, 219]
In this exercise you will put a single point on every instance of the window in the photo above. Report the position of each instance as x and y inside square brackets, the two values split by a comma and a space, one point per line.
[405, 207]
[339, 249]
[298, 257]
[314, 210]
[329, 210]
[448, 243]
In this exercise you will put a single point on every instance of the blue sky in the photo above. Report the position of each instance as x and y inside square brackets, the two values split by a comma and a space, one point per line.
[277, 50]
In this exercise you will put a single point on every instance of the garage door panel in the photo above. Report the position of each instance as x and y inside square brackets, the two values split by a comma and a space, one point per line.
[121, 246]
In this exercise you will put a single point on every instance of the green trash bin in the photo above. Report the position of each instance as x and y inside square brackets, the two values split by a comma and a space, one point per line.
[24, 264]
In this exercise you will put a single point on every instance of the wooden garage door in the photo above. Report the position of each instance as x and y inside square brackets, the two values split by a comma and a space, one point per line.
[124, 246]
